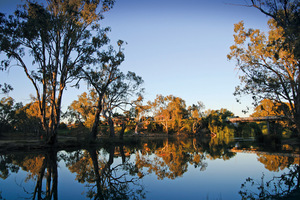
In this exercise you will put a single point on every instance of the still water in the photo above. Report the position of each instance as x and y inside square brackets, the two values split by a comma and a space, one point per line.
[152, 169]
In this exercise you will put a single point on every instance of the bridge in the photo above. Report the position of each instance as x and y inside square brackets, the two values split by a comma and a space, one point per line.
[256, 119]
[268, 119]
[255, 151]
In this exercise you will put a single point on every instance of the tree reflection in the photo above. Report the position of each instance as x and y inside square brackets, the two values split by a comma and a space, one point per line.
[114, 171]
[169, 161]
[173, 158]
[7, 166]
[49, 171]
[106, 180]
[219, 148]
[278, 187]
[42, 168]
[277, 162]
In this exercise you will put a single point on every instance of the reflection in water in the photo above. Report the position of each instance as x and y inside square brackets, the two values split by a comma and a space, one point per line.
[116, 171]
[49, 171]
[41, 168]
[173, 158]
[105, 180]
[277, 162]
[276, 188]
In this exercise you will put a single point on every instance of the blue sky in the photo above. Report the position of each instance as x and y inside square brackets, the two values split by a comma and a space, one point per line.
[178, 47]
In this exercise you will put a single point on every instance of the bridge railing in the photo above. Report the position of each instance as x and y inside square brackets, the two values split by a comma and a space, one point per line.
[256, 119]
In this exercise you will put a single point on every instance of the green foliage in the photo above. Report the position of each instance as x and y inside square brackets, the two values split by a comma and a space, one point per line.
[18, 118]
[60, 39]
[187, 126]
[270, 62]
[216, 122]
[83, 109]
[249, 129]
[7, 114]
[154, 127]
[170, 111]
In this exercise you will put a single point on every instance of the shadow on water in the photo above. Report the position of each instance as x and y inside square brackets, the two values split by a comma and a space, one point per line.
[285, 186]
[102, 179]
[117, 171]
[105, 180]
[41, 167]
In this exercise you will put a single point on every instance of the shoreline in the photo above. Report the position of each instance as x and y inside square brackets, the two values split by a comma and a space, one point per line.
[14, 143]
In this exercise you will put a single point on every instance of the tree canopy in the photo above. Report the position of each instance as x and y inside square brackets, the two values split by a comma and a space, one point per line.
[59, 38]
[286, 15]
[268, 70]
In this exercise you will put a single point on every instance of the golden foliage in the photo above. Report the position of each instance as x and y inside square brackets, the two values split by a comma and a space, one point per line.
[33, 165]
[276, 162]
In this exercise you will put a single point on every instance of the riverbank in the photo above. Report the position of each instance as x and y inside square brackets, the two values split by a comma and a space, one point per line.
[23, 143]
[29, 143]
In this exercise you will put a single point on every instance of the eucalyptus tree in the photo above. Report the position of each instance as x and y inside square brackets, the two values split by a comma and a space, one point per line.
[268, 70]
[169, 111]
[52, 43]
[101, 75]
[82, 110]
[119, 95]
[286, 15]
[271, 64]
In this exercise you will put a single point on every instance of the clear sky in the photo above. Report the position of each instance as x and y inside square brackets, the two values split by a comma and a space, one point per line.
[177, 47]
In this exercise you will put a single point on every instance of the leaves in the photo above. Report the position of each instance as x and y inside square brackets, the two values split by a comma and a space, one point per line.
[60, 39]
[268, 70]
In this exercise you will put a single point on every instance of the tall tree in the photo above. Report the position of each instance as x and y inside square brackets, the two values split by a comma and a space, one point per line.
[170, 110]
[119, 95]
[83, 109]
[216, 122]
[60, 39]
[195, 113]
[269, 71]
[101, 76]
[286, 15]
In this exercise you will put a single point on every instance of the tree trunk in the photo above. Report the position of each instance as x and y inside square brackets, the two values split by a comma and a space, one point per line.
[297, 121]
[52, 138]
[297, 112]
[38, 187]
[136, 128]
[53, 166]
[122, 154]
[297, 107]
[101, 174]
[167, 127]
[111, 127]
[97, 174]
[94, 131]
[122, 130]
[111, 156]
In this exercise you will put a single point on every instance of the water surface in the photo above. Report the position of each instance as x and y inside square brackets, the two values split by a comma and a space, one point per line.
[151, 169]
